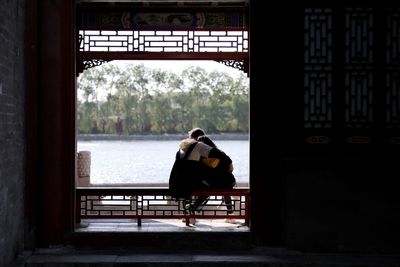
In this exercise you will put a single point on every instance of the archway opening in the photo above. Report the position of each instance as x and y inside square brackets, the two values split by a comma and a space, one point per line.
[141, 103]
[155, 103]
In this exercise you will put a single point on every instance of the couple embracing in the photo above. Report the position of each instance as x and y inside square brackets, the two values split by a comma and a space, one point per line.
[200, 164]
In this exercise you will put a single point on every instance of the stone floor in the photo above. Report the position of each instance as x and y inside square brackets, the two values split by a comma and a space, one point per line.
[258, 257]
[168, 257]
[166, 225]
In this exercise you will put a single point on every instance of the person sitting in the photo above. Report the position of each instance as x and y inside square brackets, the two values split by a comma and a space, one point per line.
[219, 172]
[194, 175]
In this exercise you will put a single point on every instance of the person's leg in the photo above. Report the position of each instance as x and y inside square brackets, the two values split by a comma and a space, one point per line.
[199, 203]
[187, 209]
[228, 202]
[187, 203]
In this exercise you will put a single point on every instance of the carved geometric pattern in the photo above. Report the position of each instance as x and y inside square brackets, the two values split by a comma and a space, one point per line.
[358, 67]
[87, 64]
[150, 205]
[358, 99]
[317, 139]
[393, 69]
[318, 68]
[153, 203]
[237, 64]
[358, 36]
[164, 41]
[393, 99]
[392, 37]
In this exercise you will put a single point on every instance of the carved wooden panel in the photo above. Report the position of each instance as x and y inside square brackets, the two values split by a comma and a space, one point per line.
[164, 41]
[358, 67]
[318, 68]
[392, 97]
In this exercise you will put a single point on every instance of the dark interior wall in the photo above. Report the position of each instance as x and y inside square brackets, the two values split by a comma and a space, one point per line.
[306, 197]
[12, 126]
[342, 205]
[338, 196]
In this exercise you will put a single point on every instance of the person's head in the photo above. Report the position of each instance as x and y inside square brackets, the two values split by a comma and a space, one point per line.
[195, 133]
[206, 140]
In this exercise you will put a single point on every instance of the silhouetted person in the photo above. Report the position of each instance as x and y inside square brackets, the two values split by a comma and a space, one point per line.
[103, 126]
[118, 126]
[219, 172]
[94, 129]
[196, 177]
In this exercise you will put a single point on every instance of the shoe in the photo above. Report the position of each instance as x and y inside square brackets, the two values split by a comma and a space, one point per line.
[230, 221]
[191, 220]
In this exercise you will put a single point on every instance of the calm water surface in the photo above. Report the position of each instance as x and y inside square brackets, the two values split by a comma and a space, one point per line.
[127, 162]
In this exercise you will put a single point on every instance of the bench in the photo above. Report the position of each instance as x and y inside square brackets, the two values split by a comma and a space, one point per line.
[156, 203]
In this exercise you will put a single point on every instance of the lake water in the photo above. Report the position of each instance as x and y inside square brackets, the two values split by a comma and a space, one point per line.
[150, 162]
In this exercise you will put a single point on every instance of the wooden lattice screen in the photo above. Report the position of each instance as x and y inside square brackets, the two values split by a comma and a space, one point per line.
[351, 74]
[129, 33]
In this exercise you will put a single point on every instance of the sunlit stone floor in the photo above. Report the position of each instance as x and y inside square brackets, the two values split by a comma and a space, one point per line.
[159, 225]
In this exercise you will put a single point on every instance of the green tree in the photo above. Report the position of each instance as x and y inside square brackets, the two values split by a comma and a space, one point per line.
[159, 101]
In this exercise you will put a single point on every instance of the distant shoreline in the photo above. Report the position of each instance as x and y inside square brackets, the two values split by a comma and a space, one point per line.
[155, 137]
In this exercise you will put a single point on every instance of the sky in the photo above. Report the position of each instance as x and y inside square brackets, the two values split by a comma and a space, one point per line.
[179, 65]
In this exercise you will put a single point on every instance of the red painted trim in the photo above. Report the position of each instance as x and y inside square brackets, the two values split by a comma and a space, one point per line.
[163, 55]
[56, 121]
[134, 191]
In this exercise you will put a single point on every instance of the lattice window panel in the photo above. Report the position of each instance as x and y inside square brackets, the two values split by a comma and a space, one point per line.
[163, 41]
[318, 68]
[358, 67]
[393, 69]
[122, 206]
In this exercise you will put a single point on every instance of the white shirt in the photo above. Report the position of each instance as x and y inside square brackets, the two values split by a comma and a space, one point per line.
[200, 150]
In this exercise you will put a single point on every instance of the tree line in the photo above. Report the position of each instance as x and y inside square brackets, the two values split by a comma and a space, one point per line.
[135, 99]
